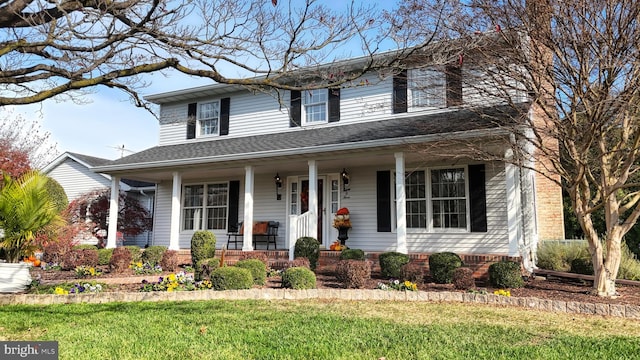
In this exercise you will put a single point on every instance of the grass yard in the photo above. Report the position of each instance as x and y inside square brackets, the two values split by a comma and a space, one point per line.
[317, 330]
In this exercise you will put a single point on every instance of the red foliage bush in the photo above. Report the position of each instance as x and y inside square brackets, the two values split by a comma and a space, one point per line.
[79, 257]
[353, 273]
[463, 279]
[413, 272]
[120, 260]
[169, 261]
[298, 262]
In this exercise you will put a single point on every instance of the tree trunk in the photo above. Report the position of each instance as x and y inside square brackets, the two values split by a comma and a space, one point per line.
[605, 269]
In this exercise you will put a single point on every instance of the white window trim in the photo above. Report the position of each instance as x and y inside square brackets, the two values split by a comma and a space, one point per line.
[430, 229]
[199, 119]
[203, 208]
[412, 74]
[304, 108]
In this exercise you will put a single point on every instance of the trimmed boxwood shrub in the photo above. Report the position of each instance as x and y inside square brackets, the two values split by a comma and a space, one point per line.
[153, 254]
[298, 278]
[463, 279]
[104, 256]
[255, 255]
[257, 268]
[353, 273]
[136, 252]
[506, 274]
[309, 248]
[352, 254]
[170, 260]
[391, 264]
[203, 246]
[231, 278]
[120, 260]
[442, 265]
[582, 266]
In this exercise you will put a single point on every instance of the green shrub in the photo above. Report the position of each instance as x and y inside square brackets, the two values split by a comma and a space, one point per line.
[506, 274]
[136, 252]
[104, 256]
[442, 265]
[255, 255]
[205, 268]
[153, 254]
[57, 194]
[120, 260]
[391, 264]
[463, 279]
[353, 273]
[309, 248]
[203, 246]
[352, 254]
[170, 260]
[582, 266]
[85, 247]
[629, 265]
[257, 268]
[231, 278]
[298, 278]
[557, 256]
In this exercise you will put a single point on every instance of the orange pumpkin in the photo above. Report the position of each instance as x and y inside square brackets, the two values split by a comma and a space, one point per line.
[36, 263]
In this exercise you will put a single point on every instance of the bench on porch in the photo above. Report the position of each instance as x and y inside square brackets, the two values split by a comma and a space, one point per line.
[263, 231]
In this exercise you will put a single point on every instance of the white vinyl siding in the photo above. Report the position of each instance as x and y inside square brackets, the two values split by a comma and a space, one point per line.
[76, 179]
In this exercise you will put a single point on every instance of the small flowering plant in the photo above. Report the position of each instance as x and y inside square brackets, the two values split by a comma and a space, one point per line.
[87, 271]
[140, 268]
[502, 292]
[52, 266]
[398, 285]
[78, 288]
[176, 282]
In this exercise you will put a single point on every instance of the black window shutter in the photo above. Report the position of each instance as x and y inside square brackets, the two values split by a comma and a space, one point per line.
[234, 199]
[454, 85]
[334, 105]
[191, 120]
[478, 198]
[224, 116]
[400, 92]
[295, 112]
[383, 199]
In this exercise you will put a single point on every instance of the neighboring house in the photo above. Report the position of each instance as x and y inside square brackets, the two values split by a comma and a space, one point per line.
[73, 172]
[222, 146]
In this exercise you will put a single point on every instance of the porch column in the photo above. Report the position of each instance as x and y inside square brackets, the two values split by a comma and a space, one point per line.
[514, 225]
[313, 199]
[401, 207]
[247, 239]
[174, 225]
[112, 231]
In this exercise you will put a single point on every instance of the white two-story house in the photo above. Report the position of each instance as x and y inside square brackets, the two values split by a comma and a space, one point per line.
[228, 155]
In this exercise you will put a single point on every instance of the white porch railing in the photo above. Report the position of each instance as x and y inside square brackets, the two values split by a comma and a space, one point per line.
[299, 226]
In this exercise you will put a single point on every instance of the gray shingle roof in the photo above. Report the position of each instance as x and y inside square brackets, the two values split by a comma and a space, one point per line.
[362, 134]
[90, 160]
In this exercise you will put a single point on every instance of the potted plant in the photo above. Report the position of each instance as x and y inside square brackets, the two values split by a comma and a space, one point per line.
[343, 224]
[26, 208]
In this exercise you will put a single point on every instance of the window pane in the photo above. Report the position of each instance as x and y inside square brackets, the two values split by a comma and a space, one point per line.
[217, 195]
[448, 192]
[217, 218]
[208, 116]
[315, 105]
[415, 188]
[193, 195]
[428, 88]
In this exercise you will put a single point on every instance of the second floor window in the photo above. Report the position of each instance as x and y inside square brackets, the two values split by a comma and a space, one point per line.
[209, 118]
[427, 88]
[315, 106]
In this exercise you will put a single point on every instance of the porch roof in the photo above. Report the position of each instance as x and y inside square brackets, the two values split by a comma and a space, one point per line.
[461, 123]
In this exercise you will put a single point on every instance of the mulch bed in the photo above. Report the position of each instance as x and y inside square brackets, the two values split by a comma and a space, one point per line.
[552, 288]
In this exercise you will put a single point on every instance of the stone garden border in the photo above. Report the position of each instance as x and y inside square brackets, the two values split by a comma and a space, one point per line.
[569, 307]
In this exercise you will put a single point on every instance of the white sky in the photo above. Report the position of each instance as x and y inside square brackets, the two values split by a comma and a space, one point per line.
[110, 120]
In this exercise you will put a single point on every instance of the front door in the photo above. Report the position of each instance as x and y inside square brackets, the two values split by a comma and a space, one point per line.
[304, 204]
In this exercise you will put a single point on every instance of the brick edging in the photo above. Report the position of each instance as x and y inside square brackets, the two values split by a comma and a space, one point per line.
[572, 307]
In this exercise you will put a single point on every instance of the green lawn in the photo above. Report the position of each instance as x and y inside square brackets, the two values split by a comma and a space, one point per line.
[318, 330]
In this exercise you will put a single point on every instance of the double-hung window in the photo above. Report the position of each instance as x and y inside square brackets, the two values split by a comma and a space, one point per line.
[204, 207]
[427, 88]
[315, 106]
[439, 203]
[209, 118]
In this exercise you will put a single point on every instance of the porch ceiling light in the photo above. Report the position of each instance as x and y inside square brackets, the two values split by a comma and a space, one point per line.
[278, 182]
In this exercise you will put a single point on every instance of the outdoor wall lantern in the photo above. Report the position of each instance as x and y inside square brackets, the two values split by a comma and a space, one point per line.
[345, 182]
[278, 181]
